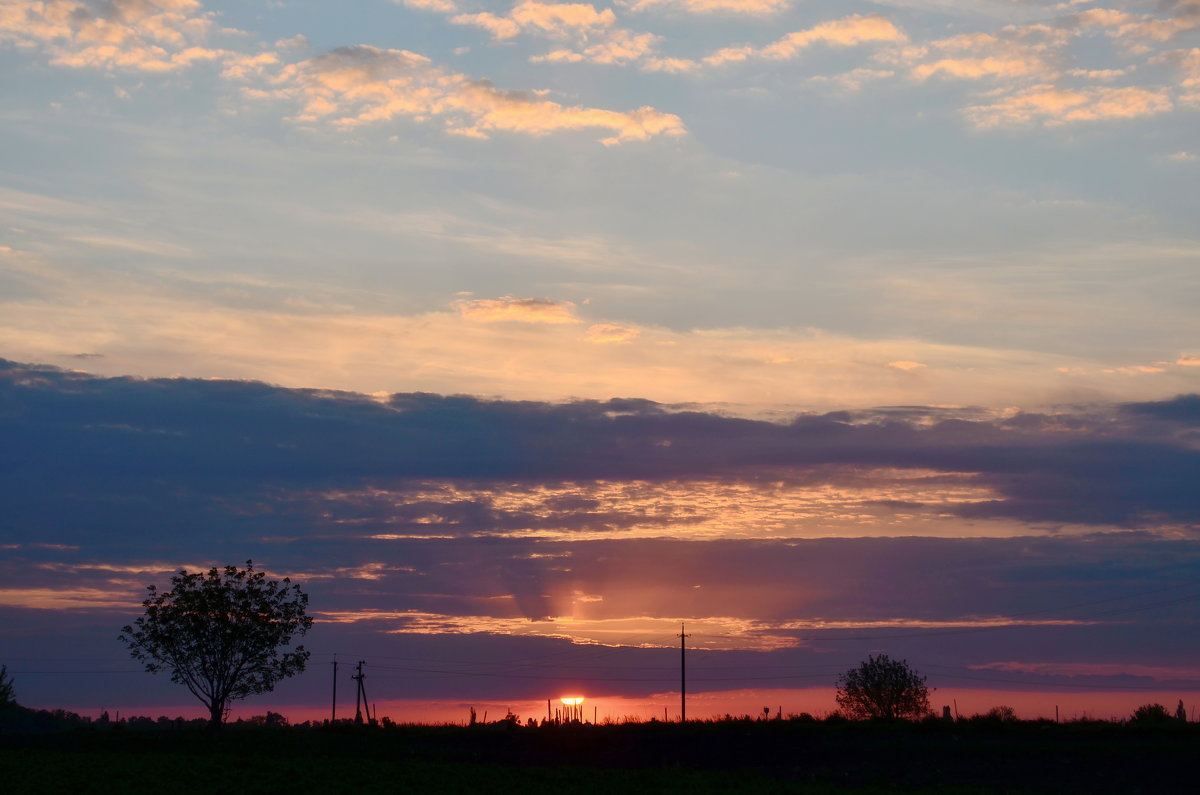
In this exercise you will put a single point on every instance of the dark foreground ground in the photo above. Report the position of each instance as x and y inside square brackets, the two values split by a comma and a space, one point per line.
[728, 756]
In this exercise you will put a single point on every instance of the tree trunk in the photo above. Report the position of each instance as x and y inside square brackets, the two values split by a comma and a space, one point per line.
[216, 715]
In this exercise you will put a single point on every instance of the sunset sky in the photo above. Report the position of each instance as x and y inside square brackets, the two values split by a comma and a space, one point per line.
[520, 333]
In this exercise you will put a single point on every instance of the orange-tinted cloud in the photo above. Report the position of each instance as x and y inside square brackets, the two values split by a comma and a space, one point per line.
[69, 598]
[846, 32]
[982, 55]
[905, 364]
[550, 19]
[142, 35]
[1135, 29]
[615, 47]
[521, 310]
[440, 6]
[752, 7]
[353, 86]
[611, 332]
[1050, 105]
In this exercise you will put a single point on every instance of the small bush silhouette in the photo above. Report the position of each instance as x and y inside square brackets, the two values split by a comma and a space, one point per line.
[1002, 714]
[1151, 715]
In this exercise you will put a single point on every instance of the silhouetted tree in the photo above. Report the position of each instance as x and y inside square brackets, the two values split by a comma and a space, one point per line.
[8, 697]
[1151, 715]
[1002, 714]
[1180, 712]
[881, 687]
[220, 634]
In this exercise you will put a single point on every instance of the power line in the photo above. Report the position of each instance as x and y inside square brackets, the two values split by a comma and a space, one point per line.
[55, 673]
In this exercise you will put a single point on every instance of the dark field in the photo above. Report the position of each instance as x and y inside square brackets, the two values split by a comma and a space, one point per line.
[726, 756]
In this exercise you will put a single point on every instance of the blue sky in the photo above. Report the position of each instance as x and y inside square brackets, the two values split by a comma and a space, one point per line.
[720, 281]
[1001, 193]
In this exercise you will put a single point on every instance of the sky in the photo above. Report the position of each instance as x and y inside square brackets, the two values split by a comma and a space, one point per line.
[519, 334]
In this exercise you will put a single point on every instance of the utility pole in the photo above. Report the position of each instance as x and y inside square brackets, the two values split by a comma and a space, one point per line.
[683, 636]
[333, 708]
[360, 697]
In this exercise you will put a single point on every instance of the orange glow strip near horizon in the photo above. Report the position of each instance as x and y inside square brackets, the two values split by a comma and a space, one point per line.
[702, 705]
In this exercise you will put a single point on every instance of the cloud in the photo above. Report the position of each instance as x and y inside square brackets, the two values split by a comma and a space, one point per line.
[906, 365]
[1134, 30]
[550, 19]
[247, 67]
[354, 86]
[1079, 669]
[1184, 409]
[854, 79]
[1136, 369]
[983, 55]
[846, 32]
[1186, 63]
[1080, 468]
[617, 47]
[611, 332]
[593, 34]
[500, 27]
[149, 328]
[522, 310]
[64, 599]
[751, 7]
[440, 6]
[1040, 73]
[141, 35]
[456, 528]
[1052, 106]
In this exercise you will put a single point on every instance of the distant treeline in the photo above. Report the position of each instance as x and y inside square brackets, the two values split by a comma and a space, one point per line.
[22, 720]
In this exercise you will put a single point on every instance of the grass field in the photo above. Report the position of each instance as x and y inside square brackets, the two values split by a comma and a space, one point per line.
[724, 756]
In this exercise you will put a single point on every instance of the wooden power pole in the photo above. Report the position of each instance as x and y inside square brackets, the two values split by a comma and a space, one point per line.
[683, 636]
[333, 708]
[360, 697]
